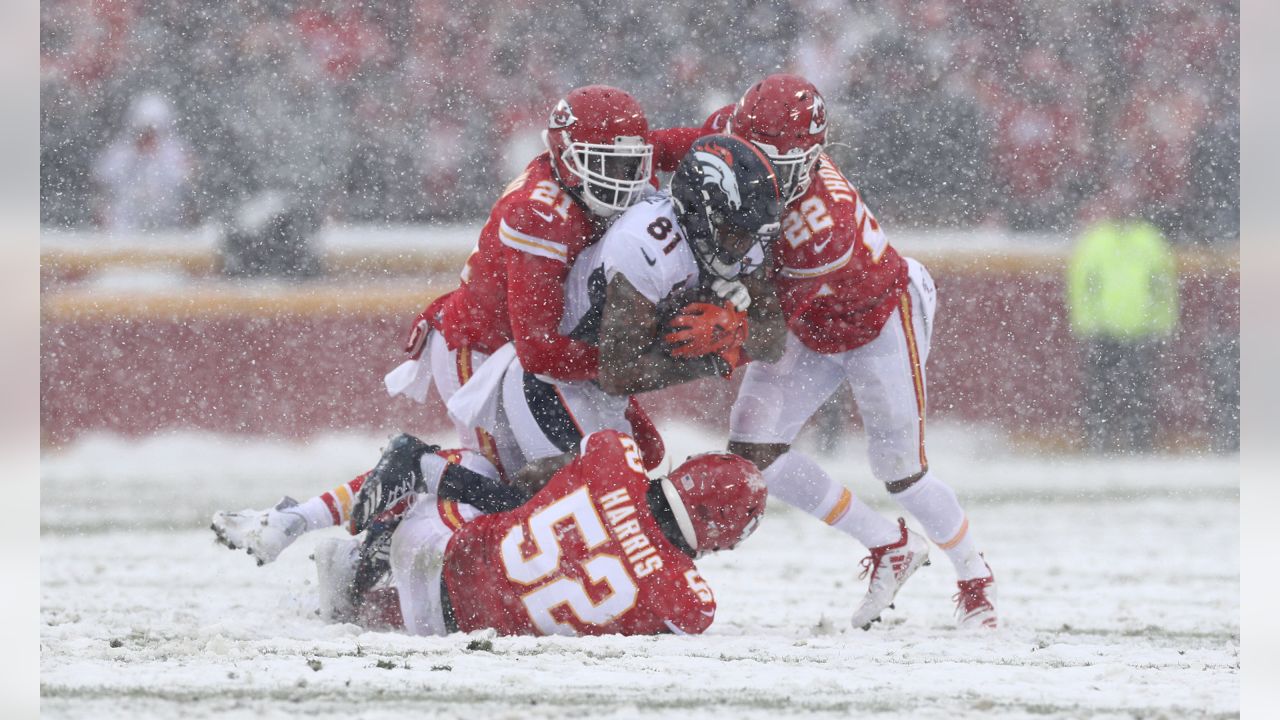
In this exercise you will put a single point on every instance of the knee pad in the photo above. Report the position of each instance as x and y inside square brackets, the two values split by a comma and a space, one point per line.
[897, 486]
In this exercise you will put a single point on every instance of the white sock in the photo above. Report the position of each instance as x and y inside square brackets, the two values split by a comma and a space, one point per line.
[328, 509]
[800, 482]
[316, 512]
[432, 468]
[334, 507]
[935, 505]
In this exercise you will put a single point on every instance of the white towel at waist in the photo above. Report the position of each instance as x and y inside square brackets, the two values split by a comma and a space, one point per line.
[476, 402]
[411, 379]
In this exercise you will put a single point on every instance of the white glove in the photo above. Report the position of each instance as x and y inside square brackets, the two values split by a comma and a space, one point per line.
[733, 291]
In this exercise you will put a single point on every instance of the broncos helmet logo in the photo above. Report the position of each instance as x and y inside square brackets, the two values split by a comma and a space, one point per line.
[715, 171]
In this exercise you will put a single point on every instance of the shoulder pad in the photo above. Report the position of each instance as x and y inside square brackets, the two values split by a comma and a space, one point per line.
[540, 228]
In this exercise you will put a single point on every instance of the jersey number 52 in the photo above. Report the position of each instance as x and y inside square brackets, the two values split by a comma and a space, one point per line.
[555, 589]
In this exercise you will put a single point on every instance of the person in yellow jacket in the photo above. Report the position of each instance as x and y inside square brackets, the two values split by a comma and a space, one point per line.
[1122, 292]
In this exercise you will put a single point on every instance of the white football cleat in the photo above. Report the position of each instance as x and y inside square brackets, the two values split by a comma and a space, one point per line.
[336, 562]
[264, 534]
[976, 602]
[889, 566]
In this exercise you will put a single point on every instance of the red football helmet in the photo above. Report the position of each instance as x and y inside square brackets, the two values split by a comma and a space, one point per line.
[717, 499]
[785, 116]
[596, 136]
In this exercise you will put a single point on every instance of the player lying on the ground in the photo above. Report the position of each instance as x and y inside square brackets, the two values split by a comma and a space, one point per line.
[858, 313]
[600, 549]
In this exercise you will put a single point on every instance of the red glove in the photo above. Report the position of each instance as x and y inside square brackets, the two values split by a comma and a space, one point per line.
[702, 329]
[418, 333]
[646, 435]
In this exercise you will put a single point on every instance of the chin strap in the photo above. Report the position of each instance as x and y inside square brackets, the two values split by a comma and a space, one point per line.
[680, 513]
[664, 514]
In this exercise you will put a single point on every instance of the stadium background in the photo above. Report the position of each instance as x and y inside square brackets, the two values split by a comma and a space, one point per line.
[978, 131]
[398, 123]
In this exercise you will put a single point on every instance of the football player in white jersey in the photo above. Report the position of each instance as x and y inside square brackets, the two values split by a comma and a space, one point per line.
[676, 290]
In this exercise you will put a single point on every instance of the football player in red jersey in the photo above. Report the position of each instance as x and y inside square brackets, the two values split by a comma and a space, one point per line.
[857, 312]
[599, 161]
[701, 247]
[599, 549]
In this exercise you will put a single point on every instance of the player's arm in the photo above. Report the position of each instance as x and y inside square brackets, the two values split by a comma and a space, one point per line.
[535, 475]
[722, 328]
[538, 241]
[535, 302]
[718, 121]
[768, 327]
[670, 145]
[692, 606]
[632, 360]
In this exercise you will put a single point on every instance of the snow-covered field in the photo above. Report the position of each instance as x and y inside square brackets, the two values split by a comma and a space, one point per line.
[1119, 595]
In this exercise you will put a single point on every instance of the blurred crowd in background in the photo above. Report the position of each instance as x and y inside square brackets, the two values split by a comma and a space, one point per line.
[1016, 114]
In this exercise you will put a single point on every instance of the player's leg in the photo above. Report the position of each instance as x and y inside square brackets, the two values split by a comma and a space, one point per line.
[773, 404]
[352, 573]
[888, 381]
[417, 561]
[264, 534]
[549, 419]
[340, 563]
[450, 370]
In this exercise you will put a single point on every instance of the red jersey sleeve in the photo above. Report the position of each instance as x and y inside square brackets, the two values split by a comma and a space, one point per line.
[539, 245]
[693, 607]
[670, 145]
[718, 121]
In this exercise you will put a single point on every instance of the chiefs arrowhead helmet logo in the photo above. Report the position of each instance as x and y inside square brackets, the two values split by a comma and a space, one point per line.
[817, 115]
[561, 116]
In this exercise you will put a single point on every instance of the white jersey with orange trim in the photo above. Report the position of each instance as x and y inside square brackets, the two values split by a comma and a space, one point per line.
[646, 246]
[547, 415]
